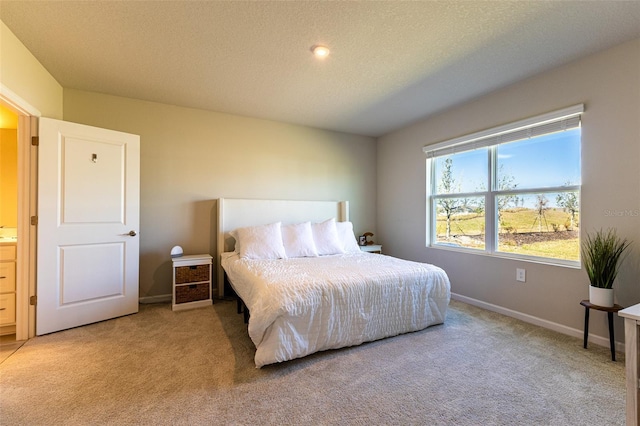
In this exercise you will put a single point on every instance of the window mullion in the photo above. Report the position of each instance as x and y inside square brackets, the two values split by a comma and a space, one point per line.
[459, 195]
[490, 218]
[430, 228]
[545, 190]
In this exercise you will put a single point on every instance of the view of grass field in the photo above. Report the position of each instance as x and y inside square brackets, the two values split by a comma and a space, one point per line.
[521, 230]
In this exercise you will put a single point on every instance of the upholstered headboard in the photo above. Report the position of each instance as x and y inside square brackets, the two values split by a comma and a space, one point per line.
[236, 213]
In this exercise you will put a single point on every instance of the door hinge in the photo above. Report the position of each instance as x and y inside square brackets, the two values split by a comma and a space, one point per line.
[34, 220]
[33, 300]
[35, 140]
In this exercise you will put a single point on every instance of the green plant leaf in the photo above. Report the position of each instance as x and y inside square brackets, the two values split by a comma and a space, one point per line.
[602, 253]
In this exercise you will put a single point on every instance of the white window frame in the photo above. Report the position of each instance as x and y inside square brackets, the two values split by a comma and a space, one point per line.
[490, 138]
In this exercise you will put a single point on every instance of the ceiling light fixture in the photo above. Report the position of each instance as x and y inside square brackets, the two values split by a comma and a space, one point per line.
[320, 51]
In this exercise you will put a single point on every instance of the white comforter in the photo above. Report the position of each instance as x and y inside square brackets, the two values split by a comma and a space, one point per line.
[303, 305]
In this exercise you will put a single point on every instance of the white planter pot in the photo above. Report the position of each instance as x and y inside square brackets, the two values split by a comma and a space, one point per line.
[601, 296]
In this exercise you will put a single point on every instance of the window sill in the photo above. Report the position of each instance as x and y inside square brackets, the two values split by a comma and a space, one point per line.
[573, 264]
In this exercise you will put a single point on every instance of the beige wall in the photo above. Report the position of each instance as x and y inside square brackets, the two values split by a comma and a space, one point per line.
[22, 74]
[608, 84]
[9, 178]
[190, 157]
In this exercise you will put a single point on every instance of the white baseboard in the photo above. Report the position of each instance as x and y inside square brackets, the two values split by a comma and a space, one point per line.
[573, 332]
[156, 299]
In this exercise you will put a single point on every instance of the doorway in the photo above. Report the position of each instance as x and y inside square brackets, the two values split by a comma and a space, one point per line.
[17, 236]
[8, 222]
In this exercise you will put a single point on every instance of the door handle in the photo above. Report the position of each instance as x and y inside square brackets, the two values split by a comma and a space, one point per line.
[131, 233]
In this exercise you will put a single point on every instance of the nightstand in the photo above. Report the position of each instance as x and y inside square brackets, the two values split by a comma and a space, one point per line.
[373, 248]
[191, 282]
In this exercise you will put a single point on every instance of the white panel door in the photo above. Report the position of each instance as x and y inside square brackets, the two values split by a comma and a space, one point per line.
[88, 221]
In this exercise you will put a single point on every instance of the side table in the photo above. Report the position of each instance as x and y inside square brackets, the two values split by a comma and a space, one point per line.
[191, 282]
[372, 248]
[609, 310]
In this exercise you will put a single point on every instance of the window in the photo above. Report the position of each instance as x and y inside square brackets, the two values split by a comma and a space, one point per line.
[510, 191]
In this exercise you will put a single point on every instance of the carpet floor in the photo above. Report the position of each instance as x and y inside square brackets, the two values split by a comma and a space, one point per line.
[191, 367]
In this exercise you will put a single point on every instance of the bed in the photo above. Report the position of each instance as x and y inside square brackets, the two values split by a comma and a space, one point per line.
[298, 270]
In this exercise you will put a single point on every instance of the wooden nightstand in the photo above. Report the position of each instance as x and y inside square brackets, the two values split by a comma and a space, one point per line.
[373, 248]
[191, 282]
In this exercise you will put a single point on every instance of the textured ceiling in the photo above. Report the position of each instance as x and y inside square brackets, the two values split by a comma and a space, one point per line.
[391, 62]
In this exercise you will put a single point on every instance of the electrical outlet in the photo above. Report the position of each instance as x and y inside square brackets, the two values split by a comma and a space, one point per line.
[521, 275]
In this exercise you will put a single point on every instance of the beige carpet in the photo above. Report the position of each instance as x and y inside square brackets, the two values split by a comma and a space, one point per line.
[196, 367]
[8, 345]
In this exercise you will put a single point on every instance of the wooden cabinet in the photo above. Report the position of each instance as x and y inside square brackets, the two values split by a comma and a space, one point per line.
[191, 282]
[7, 288]
[631, 317]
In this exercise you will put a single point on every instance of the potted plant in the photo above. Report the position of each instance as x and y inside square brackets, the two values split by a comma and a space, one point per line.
[602, 253]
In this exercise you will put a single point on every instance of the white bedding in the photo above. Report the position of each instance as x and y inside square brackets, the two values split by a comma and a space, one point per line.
[299, 306]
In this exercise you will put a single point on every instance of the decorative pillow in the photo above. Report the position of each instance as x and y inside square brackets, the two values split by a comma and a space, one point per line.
[260, 242]
[347, 237]
[298, 240]
[325, 236]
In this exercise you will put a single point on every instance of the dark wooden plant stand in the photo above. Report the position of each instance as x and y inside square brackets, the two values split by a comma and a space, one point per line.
[615, 308]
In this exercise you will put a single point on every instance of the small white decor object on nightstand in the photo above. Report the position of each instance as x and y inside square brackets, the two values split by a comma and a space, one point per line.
[372, 248]
[176, 251]
[191, 282]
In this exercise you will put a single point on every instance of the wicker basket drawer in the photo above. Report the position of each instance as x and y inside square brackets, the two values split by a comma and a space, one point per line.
[192, 274]
[192, 293]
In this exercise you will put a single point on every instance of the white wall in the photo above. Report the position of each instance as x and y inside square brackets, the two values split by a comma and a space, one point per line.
[608, 83]
[190, 157]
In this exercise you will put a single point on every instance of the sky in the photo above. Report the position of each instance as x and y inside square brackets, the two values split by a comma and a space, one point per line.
[547, 161]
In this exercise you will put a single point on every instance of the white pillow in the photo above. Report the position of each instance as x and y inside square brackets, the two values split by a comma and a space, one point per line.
[298, 240]
[325, 236]
[347, 237]
[260, 242]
